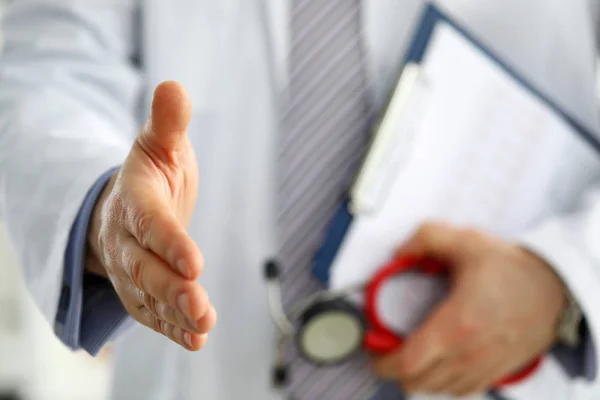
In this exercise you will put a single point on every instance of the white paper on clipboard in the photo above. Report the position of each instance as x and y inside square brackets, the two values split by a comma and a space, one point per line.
[471, 147]
[483, 152]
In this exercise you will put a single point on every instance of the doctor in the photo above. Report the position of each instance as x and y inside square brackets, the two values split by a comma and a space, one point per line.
[111, 223]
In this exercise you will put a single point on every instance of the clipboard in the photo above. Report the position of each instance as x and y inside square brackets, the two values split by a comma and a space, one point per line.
[354, 200]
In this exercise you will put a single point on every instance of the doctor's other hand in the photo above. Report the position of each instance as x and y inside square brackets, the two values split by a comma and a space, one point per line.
[502, 312]
[138, 234]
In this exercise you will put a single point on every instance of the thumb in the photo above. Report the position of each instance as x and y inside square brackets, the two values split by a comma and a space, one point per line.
[437, 241]
[424, 347]
[169, 119]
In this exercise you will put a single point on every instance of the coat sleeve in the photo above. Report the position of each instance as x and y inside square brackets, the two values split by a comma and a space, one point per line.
[69, 93]
[571, 245]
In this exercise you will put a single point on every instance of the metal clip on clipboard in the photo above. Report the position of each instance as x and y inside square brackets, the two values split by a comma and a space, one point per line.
[390, 148]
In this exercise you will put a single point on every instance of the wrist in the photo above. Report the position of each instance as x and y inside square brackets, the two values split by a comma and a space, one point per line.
[569, 316]
[94, 254]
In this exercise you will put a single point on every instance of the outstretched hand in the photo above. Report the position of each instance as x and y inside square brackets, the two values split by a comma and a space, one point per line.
[138, 237]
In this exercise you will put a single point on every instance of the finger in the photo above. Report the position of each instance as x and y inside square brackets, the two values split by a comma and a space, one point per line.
[431, 343]
[434, 380]
[158, 230]
[465, 386]
[208, 321]
[152, 276]
[180, 336]
[404, 366]
[471, 363]
[168, 313]
[509, 367]
[476, 380]
[171, 112]
[434, 240]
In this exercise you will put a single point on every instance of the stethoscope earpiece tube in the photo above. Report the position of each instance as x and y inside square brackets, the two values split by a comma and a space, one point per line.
[285, 329]
[271, 273]
[280, 375]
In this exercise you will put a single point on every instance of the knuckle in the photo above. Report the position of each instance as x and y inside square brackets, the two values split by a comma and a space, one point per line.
[474, 238]
[110, 254]
[143, 226]
[202, 299]
[153, 323]
[141, 296]
[150, 303]
[163, 311]
[163, 327]
[136, 272]
[156, 324]
[173, 290]
[166, 329]
[471, 234]
[430, 230]
[426, 229]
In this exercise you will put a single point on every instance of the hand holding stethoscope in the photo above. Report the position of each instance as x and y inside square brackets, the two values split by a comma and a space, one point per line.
[332, 329]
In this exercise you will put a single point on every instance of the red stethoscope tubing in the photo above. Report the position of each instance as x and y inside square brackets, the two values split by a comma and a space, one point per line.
[381, 339]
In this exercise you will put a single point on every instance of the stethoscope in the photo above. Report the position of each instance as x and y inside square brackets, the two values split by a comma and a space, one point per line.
[331, 329]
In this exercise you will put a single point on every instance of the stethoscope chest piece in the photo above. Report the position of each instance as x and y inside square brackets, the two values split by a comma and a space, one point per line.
[330, 331]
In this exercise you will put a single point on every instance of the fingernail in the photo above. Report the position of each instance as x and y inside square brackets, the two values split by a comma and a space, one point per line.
[188, 339]
[181, 266]
[183, 302]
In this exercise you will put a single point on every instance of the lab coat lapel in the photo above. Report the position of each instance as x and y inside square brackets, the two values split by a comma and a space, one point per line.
[386, 24]
[276, 14]
[374, 36]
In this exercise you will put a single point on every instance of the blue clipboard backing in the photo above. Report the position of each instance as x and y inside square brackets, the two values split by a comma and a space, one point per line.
[431, 16]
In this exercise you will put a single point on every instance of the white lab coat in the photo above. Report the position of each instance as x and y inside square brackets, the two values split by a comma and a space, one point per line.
[71, 103]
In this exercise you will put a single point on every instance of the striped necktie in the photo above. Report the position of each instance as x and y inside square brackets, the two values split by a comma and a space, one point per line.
[324, 133]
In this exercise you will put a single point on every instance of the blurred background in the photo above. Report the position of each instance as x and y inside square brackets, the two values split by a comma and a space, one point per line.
[33, 363]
